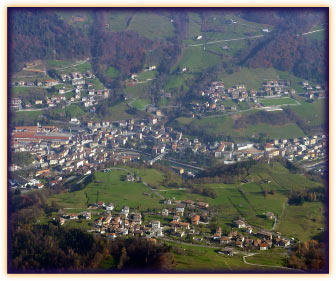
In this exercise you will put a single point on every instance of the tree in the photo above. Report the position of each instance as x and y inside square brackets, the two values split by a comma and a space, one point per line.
[123, 258]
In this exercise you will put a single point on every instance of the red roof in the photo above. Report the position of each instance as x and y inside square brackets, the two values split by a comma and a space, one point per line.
[30, 135]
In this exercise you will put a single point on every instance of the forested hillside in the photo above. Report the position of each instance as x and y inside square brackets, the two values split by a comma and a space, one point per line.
[116, 39]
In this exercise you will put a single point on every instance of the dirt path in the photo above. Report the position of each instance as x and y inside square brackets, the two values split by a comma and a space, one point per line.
[277, 221]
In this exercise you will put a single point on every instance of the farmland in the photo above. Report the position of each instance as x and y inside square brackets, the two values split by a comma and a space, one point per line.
[247, 200]
[224, 126]
[151, 26]
[109, 187]
[197, 258]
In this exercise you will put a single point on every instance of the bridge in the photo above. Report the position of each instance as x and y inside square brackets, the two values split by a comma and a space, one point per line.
[159, 157]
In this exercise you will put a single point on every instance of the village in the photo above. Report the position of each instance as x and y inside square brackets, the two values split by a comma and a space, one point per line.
[178, 221]
[88, 146]
[83, 149]
[219, 100]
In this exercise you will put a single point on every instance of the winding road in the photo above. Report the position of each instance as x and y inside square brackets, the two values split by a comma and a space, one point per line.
[264, 265]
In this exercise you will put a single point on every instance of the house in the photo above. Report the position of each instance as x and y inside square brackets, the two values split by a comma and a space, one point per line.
[155, 224]
[73, 216]
[176, 218]
[270, 216]
[60, 221]
[180, 208]
[137, 218]
[225, 240]
[203, 205]
[167, 201]
[284, 243]
[265, 234]
[249, 230]
[101, 204]
[195, 219]
[263, 246]
[165, 212]
[109, 207]
[239, 244]
[125, 210]
[227, 251]
[239, 224]
[51, 82]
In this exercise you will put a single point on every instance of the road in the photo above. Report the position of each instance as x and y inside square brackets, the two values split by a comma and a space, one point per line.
[226, 40]
[310, 167]
[73, 65]
[276, 220]
[183, 164]
[190, 244]
[312, 32]
[263, 265]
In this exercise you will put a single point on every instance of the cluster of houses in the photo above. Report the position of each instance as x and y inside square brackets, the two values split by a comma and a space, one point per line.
[303, 148]
[312, 92]
[96, 143]
[84, 92]
[112, 223]
[125, 222]
[217, 95]
[47, 83]
[243, 236]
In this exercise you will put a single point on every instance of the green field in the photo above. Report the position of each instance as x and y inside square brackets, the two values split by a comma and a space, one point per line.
[319, 35]
[26, 117]
[144, 75]
[184, 120]
[195, 59]
[151, 25]
[277, 101]
[97, 84]
[304, 221]
[245, 200]
[118, 19]
[197, 258]
[251, 78]
[118, 112]
[85, 15]
[27, 92]
[249, 201]
[74, 110]
[314, 113]
[254, 78]
[140, 103]
[109, 187]
[54, 64]
[276, 257]
[112, 72]
[82, 68]
[178, 81]
[223, 126]
[139, 90]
